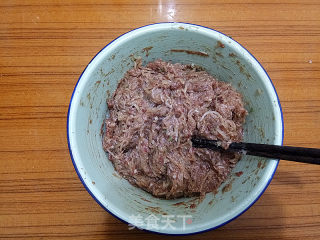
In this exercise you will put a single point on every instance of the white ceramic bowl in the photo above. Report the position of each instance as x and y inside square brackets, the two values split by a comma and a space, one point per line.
[228, 61]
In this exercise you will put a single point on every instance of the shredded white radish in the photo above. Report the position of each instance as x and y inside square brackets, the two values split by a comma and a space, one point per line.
[153, 114]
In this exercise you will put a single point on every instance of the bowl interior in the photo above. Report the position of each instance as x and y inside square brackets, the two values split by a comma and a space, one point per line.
[220, 56]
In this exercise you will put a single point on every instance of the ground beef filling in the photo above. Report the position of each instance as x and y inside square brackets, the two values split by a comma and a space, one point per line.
[153, 114]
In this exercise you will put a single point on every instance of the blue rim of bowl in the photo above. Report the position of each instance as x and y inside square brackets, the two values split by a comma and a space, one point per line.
[178, 234]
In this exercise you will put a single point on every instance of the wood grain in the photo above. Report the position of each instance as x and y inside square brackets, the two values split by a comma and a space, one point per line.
[45, 46]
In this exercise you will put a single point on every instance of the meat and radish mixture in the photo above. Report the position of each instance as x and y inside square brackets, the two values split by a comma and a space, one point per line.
[153, 114]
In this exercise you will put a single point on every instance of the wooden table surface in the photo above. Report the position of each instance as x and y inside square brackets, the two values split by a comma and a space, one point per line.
[45, 46]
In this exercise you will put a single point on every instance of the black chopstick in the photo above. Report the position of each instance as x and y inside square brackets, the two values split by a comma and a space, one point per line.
[297, 154]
